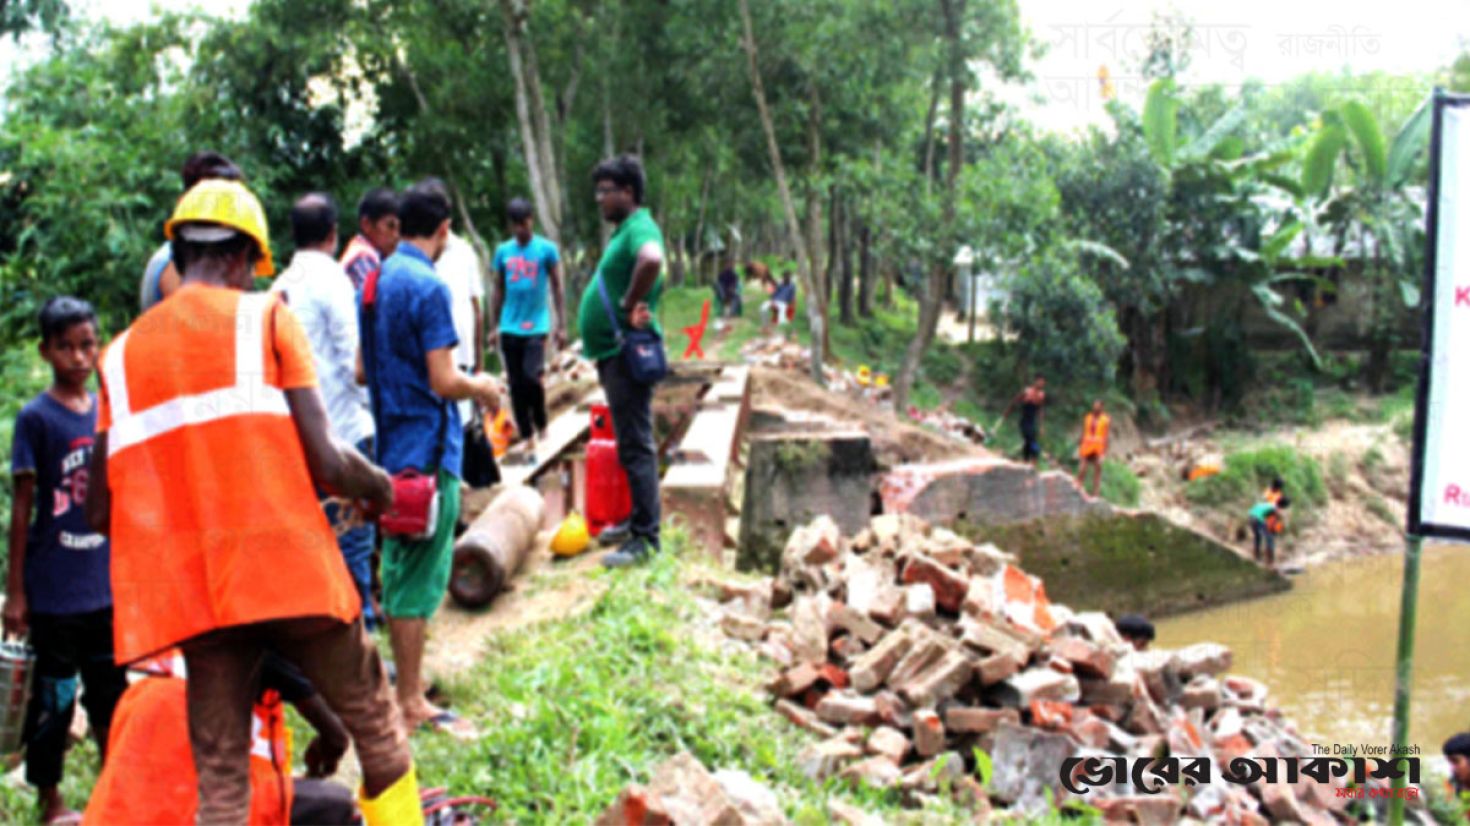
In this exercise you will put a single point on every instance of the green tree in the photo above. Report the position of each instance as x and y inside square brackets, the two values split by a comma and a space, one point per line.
[20, 16]
[1374, 210]
[90, 147]
[1062, 324]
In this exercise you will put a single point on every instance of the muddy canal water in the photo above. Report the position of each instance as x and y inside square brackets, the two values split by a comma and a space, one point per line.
[1326, 648]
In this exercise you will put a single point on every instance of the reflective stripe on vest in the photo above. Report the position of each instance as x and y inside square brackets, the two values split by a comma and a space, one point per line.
[249, 396]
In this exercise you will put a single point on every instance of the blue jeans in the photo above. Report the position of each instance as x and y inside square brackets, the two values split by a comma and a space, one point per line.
[357, 551]
[1263, 536]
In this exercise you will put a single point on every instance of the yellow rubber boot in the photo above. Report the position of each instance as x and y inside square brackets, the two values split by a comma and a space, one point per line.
[398, 805]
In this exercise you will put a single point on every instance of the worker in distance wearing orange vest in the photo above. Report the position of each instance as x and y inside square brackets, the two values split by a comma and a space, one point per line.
[211, 435]
[1094, 445]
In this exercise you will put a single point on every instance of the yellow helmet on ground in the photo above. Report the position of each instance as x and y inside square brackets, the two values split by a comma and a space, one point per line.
[228, 204]
[571, 538]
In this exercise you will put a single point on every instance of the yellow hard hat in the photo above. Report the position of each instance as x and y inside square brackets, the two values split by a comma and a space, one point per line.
[571, 538]
[864, 374]
[228, 204]
[881, 380]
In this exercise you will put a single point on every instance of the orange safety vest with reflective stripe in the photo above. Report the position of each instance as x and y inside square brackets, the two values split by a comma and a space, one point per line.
[215, 522]
[149, 775]
[1095, 434]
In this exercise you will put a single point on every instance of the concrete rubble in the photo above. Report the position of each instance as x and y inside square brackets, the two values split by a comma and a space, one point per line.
[788, 355]
[684, 793]
[905, 649]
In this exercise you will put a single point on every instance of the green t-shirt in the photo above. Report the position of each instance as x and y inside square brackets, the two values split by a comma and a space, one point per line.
[616, 267]
[1261, 510]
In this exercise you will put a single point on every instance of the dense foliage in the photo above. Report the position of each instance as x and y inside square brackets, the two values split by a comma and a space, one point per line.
[1193, 225]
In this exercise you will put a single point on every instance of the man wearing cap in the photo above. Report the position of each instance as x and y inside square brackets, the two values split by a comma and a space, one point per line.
[211, 437]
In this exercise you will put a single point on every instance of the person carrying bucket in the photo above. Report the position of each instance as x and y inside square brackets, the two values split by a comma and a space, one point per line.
[58, 590]
[212, 439]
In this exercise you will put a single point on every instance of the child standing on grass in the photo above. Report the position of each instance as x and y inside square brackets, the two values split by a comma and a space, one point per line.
[58, 587]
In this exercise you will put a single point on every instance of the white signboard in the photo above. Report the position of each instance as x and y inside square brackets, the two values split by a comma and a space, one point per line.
[1439, 493]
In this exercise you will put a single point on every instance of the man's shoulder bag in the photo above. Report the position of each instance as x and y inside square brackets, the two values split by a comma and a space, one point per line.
[641, 350]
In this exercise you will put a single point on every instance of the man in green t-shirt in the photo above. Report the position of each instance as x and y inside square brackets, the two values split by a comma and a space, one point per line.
[630, 268]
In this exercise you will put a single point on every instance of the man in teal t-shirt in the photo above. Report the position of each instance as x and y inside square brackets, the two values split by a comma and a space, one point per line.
[630, 268]
[528, 284]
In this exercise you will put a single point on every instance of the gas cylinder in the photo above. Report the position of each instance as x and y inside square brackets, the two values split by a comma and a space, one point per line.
[607, 496]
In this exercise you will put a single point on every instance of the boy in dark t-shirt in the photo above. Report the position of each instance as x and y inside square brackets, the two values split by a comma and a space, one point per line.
[58, 586]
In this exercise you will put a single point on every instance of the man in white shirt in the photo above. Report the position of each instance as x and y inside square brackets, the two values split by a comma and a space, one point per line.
[320, 294]
[459, 267]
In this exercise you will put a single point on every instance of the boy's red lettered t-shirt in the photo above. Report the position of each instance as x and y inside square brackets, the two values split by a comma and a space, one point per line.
[215, 520]
[66, 562]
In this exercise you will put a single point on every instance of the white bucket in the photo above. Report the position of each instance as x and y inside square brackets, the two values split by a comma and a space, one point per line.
[16, 664]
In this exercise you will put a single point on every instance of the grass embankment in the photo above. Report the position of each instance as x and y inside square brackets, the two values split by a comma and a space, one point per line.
[1246, 474]
[572, 711]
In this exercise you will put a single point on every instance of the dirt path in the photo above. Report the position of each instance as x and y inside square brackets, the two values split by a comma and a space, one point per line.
[546, 589]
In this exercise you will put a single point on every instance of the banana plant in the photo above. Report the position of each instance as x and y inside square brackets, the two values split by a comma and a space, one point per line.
[1213, 161]
[1373, 206]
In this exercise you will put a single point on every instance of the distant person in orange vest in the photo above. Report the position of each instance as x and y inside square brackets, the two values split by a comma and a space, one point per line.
[153, 780]
[1094, 445]
[1030, 400]
[212, 440]
[377, 236]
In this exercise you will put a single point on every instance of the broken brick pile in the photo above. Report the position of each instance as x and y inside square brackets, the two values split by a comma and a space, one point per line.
[906, 648]
[788, 355]
[682, 792]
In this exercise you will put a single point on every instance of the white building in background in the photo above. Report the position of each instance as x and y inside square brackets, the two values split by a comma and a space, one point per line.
[976, 289]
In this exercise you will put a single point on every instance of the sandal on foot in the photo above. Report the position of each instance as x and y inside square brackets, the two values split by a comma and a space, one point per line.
[452, 724]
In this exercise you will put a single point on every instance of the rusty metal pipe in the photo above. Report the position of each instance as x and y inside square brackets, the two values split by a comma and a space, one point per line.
[495, 546]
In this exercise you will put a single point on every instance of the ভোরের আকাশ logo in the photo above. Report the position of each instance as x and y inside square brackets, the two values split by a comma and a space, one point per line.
[1151, 776]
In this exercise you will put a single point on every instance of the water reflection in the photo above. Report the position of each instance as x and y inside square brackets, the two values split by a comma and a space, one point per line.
[1326, 648]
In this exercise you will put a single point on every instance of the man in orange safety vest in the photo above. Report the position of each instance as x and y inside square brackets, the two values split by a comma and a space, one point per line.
[212, 437]
[1094, 445]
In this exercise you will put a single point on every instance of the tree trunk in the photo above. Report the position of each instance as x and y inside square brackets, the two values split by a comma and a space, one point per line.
[821, 288]
[679, 265]
[865, 271]
[788, 205]
[932, 300]
[844, 253]
[607, 149]
[935, 86]
[709, 175]
[456, 193]
[834, 221]
[531, 115]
